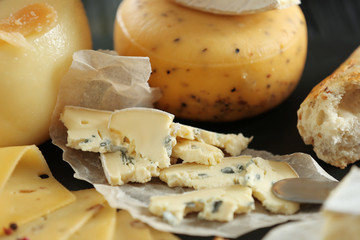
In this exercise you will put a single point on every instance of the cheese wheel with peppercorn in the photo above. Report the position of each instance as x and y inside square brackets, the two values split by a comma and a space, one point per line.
[37, 40]
[214, 67]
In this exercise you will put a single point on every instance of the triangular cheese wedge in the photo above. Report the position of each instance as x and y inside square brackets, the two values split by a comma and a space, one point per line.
[100, 226]
[62, 223]
[27, 188]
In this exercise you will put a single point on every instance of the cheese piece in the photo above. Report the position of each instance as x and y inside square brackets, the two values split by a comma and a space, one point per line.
[213, 67]
[87, 129]
[230, 171]
[237, 7]
[28, 190]
[341, 210]
[260, 176]
[231, 143]
[197, 152]
[159, 235]
[101, 226]
[215, 204]
[130, 228]
[121, 168]
[60, 224]
[148, 130]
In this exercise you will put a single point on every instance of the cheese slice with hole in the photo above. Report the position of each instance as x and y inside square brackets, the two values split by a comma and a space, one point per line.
[101, 226]
[60, 224]
[237, 7]
[28, 190]
[214, 204]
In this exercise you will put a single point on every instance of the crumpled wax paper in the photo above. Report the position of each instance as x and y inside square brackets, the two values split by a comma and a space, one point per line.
[104, 81]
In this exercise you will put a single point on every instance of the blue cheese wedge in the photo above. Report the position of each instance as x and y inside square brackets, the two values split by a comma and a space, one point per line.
[148, 130]
[87, 129]
[120, 168]
[215, 204]
[230, 171]
[261, 174]
[232, 144]
[256, 173]
[191, 151]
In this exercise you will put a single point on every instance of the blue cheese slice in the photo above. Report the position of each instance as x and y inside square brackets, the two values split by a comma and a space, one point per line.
[261, 174]
[230, 171]
[215, 204]
[197, 152]
[148, 130]
[232, 144]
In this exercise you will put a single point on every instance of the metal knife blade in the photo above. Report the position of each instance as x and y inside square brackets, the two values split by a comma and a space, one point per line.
[303, 190]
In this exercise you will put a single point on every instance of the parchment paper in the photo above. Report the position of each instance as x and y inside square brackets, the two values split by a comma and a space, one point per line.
[104, 81]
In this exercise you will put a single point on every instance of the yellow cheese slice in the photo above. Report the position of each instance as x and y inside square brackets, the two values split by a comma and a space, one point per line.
[27, 188]
[101, 226]
[130, 228]
[63, 222]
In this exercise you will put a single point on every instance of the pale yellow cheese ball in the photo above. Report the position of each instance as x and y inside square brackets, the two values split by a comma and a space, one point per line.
[30, 74]
[214, 67]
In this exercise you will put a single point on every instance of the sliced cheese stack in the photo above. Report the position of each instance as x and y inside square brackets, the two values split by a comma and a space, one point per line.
[214, 67]
[136, 143]
[28, 190]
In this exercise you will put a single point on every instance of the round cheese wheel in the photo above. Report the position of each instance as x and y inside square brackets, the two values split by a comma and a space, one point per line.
[214, 67]
[37, 40]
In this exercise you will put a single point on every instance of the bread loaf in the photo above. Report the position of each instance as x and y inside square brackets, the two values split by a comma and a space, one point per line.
[329, 117]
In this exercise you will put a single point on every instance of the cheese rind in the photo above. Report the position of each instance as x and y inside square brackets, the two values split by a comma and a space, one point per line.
[261, 174]
[25, 178]
[216, 204]
[237, 7]
[65, 221]
[197, 152]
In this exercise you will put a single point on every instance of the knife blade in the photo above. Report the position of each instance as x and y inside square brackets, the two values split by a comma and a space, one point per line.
[303, 190]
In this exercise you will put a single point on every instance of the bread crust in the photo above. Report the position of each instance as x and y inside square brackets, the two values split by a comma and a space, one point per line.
[329, 117]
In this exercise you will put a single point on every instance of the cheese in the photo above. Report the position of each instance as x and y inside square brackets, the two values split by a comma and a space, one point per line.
[87, 129]
[100, 226]
[261, 174]
[129, 228]
[231, 143]
[237, 7]
[230, 171]
[217, 204]
[121, 168]
[62, 223]
[37, 41]
[341, 210]
[148, 130]
[28, 190]
[256, 173]
[214, 67]
[197, 152]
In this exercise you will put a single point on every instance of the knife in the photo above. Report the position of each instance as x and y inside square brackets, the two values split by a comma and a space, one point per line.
[303, 190]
